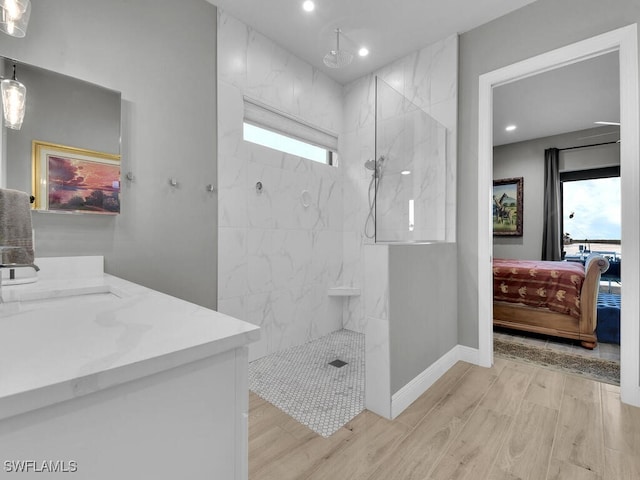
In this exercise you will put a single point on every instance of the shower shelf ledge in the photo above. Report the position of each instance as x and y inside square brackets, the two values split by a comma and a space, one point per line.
[344, 292]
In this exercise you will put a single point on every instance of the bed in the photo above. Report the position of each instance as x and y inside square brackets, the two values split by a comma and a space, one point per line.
[552, 298]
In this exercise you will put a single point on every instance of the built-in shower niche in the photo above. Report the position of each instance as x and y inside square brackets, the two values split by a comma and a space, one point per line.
[411, 160]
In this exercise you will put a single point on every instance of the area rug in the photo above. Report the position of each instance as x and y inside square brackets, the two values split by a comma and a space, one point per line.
[598, 369]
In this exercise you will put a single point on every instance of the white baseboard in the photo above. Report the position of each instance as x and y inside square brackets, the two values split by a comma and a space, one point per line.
[468, 354]
[420, 384]
[630, 395]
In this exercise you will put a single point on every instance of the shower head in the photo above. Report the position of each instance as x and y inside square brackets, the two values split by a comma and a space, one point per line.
[338, 58]
[375, 166]
[370, 164]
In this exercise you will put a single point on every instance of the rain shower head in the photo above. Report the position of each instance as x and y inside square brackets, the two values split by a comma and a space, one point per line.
[338, 58]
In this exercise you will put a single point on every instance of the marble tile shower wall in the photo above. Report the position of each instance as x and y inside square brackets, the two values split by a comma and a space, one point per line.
[276, 257]
[428, 79]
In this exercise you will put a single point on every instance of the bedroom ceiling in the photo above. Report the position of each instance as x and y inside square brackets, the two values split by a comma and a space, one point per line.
[390, 30]
[565, 100]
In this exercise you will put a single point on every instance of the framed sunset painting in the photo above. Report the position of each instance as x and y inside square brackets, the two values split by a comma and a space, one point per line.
[70, 179]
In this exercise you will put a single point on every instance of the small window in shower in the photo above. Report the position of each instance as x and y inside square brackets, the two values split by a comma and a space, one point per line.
[266, 126]
[283, 143]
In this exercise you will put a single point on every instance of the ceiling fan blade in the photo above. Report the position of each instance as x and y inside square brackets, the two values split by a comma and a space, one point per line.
[599, 135]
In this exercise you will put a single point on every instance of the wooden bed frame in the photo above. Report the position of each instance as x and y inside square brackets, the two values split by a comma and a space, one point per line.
[543, 320]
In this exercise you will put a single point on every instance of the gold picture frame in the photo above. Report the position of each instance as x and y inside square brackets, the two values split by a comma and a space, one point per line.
[75, 180]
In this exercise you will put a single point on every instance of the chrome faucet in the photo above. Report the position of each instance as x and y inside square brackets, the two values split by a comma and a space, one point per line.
[6, 263]
[13, 266]
[5, 254]
[12, 271]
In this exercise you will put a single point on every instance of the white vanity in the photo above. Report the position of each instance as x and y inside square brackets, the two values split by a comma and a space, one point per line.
[110, 379]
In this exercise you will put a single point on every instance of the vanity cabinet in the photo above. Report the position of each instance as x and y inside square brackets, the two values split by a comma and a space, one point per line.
[109, 379]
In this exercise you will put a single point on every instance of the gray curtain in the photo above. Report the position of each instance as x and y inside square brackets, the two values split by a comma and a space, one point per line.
[551, 234]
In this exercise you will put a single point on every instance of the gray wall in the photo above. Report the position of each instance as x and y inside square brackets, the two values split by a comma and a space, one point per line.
[526, 159]
[62, 110]
[164, 238]
[537, 28]
[422, 308]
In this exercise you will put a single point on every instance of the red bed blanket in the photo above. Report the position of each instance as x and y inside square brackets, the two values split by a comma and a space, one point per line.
[554, 285]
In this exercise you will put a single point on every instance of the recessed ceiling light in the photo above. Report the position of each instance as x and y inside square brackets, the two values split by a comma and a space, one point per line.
[405, 172]
[363, 52]
[511, 128]
[308, 6]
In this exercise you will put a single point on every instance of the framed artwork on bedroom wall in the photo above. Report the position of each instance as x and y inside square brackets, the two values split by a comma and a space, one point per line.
[507, 207]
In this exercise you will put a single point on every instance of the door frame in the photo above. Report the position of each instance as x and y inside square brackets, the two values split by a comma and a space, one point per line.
[623, 40]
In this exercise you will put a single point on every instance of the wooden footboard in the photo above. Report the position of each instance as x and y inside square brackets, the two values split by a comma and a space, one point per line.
[543, 320]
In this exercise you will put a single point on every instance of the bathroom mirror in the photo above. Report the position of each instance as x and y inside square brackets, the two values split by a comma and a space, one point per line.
[60, 110]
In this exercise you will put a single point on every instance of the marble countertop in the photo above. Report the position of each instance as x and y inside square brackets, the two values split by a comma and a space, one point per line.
[77, 330]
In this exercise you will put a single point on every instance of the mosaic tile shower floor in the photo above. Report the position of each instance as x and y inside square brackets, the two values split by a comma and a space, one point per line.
[301, 383]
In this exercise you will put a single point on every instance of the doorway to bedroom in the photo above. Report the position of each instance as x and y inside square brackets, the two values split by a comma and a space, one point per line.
[586, 212]
[623, 43]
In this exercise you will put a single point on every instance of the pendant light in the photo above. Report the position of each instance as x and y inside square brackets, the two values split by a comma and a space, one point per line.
[14, 95]
[14, 17]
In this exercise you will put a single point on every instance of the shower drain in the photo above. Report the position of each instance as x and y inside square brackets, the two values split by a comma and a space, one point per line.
[337, 363]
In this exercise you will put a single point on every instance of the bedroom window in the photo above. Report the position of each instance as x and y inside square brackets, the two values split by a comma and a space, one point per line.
[591, 209]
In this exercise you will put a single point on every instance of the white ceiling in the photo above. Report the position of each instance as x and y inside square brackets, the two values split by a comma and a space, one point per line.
[564, 100]
[389, 29]
[560, 101]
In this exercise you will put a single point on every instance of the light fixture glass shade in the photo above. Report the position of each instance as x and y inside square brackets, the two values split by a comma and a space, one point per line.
[15, 6]
[14, 95]
[14, 17]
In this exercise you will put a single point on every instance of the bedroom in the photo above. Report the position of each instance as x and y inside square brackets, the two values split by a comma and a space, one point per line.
[564, 109]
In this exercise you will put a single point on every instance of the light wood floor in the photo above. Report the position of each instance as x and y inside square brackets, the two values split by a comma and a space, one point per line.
[512, 421]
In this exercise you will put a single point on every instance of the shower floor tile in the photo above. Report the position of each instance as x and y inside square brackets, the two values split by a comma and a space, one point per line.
[301, 382]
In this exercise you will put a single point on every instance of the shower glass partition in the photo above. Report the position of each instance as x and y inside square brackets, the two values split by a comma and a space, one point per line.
[411, 161]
